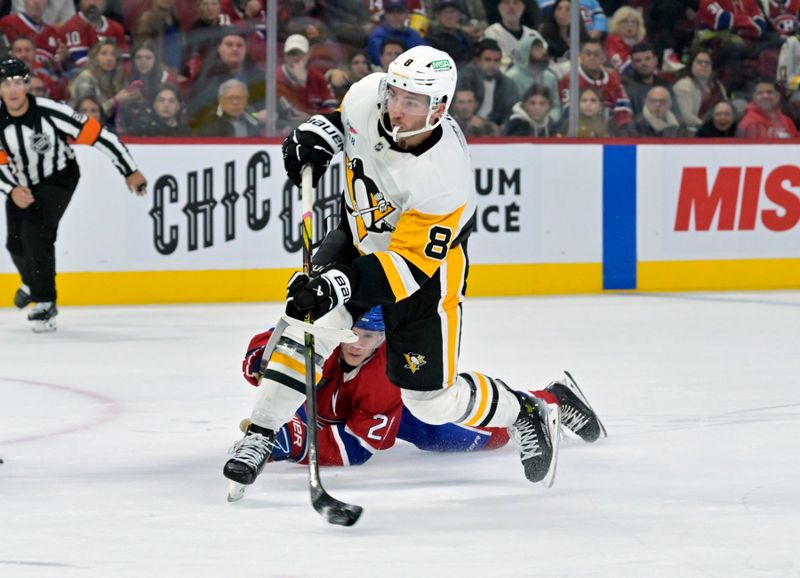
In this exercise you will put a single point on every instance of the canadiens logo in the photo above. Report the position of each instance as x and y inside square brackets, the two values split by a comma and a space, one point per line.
[414, 361]
[40, 143]
[367, 204]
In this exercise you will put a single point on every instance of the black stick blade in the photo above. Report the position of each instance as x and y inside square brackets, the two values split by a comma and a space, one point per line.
[336, 512]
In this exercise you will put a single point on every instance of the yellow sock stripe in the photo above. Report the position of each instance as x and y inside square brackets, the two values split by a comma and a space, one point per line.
[393, 276]
[292, 364]
[484, 393]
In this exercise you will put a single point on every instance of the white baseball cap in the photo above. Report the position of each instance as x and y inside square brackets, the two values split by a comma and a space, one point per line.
[296, 42]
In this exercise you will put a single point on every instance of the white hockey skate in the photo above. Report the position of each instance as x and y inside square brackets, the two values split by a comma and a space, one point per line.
[43, 317]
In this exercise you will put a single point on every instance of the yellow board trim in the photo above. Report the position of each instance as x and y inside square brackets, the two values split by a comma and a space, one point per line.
[738, 274]
[151, 287]
[534, 279]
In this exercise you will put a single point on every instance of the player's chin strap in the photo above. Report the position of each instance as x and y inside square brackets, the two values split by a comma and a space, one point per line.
[397, 135]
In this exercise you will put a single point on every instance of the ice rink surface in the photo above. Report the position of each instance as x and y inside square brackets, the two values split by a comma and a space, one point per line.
[114, 431]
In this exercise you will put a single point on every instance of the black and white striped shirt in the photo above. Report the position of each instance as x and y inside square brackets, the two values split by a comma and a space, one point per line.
[34, 145]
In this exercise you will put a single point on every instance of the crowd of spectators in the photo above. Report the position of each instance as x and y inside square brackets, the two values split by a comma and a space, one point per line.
[648, 68]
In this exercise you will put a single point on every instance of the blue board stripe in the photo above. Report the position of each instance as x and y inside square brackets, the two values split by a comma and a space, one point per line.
[619, 217]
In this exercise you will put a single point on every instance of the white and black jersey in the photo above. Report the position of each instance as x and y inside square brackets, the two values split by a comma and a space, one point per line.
[35, 147]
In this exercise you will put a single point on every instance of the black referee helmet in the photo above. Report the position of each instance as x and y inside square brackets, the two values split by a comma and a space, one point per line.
[14, 68]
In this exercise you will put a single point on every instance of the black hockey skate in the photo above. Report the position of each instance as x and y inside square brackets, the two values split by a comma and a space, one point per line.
[576, 414]
[536, 435]
[43, 317]
[249, 455]
[22, 298]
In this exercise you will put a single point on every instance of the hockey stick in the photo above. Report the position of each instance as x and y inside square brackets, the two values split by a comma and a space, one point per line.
[334, 511]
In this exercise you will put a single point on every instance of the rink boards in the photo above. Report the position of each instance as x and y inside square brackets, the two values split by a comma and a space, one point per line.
[221, 222]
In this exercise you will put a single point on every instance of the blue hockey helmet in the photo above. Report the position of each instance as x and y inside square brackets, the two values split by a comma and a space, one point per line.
[372, 320]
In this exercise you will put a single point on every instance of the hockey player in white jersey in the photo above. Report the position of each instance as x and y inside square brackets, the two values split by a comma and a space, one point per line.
[409, 207]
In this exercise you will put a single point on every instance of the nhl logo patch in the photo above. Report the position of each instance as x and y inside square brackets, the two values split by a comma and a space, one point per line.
[40, 143]
[414, 361]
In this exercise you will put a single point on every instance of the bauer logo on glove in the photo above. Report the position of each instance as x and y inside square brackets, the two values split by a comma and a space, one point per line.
[318, 295]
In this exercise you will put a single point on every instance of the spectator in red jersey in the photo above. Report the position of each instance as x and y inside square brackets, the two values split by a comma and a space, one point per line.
[729, 21]
[83, 30]
[699, 90]
[229, 60]
[303, 91]
[626, 29]
[203, 35]
[161, 25]
[784, 16]
[51, 51]
[592, 73]
[763, 117]
[103, 78]
[24, 49]
[56, 11]
[148, 75]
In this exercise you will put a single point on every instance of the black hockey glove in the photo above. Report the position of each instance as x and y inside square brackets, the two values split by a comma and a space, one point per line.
[319, 295]
[313, 142]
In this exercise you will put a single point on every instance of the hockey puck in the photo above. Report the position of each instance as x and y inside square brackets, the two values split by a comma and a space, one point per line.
[1, 460]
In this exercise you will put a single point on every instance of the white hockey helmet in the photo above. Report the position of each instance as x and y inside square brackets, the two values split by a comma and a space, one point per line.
[422, 70]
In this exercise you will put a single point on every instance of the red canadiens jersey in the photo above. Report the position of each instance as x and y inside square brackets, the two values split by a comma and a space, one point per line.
[359, 412]
[81, 35]
[741, 16]
[46, 38]
[783, 14]
[615, 99]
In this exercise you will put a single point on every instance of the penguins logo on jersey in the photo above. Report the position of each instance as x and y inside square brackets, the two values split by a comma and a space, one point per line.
[40, 143]
[414, 361]
[367, 204]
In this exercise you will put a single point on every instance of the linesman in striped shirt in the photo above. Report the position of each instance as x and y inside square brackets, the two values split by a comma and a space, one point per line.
[39, 174]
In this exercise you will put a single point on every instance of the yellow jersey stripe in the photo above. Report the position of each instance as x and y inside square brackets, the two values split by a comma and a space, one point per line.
[392, 275]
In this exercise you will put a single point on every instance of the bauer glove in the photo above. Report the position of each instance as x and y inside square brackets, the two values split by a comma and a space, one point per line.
[318, 295]
[314, 142]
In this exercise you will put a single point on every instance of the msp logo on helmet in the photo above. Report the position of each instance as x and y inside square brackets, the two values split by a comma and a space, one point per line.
[440, 65]
[414, 361]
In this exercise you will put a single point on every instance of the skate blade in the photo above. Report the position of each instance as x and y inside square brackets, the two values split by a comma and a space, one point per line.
[43, 326]
[553, 426]
[236, 491]
[584, 399]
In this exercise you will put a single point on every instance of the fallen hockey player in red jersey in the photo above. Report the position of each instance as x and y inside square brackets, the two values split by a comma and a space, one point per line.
[361, 412]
